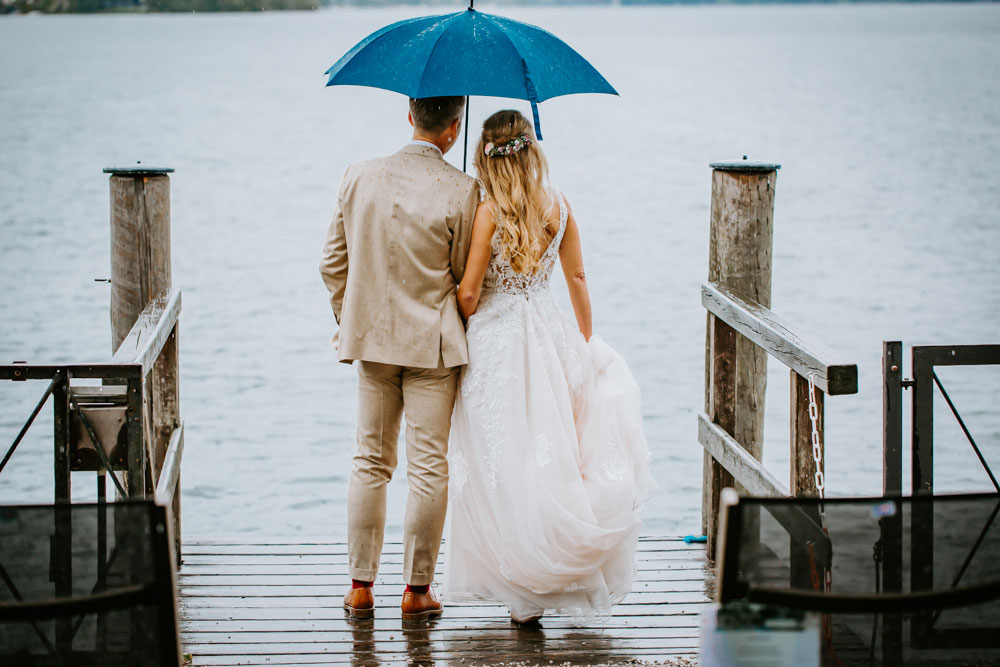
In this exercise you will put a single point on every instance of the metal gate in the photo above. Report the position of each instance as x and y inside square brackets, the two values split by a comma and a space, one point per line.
[924, 386]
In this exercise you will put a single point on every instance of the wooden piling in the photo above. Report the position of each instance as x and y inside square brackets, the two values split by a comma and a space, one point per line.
[140, 272]
[140, 243]
[802, 482]
[740, 246]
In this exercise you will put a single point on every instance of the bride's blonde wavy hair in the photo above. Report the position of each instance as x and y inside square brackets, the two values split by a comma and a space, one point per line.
[517, 186]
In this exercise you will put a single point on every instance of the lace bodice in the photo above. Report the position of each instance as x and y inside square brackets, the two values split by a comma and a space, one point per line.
[501, 276]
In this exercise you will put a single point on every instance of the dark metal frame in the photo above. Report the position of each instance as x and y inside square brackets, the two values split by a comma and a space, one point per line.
[63, 404]
[160, 594]
[133, 362]
[924, 360]
[731, 587]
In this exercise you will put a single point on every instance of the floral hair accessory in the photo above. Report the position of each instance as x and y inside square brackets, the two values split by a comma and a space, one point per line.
[509, 148]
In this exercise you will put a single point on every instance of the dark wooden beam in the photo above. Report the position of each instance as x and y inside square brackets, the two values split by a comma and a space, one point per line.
[781, 340]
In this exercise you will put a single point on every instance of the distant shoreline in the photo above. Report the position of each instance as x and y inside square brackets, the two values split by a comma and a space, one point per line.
[151, 6]
[213, 6]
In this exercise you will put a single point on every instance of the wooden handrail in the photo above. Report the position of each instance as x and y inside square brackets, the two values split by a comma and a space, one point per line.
[745, 469]
[171, 471]
[781, 340]
[145, 340]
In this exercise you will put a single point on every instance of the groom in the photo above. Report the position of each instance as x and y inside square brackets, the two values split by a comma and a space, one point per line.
[394, 254]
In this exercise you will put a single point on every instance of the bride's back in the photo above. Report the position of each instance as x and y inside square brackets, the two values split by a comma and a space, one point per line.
[502, 275]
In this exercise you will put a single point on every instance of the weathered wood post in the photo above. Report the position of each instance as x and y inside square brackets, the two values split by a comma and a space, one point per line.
[140, 243]
[803, 462]
[803, 467]
[141, 271]
[739, 258]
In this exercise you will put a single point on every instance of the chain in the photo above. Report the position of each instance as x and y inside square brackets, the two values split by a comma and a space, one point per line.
[821, 489]
[817, 452]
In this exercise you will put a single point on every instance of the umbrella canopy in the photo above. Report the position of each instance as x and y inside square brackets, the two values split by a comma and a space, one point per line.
[468, 53]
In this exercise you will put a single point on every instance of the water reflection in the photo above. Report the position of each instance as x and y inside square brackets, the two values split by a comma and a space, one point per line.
[419, 650]
[483, 642]
[363, 636]
[492, 643]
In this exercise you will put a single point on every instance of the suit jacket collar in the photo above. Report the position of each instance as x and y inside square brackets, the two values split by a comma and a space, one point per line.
[417, 149]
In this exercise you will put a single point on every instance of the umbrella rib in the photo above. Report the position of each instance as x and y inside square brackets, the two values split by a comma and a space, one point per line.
[434, 48]
[528, 85]
[503, 31]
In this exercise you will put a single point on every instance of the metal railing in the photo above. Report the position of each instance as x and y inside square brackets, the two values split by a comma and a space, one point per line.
[127, 428]
[925, 359]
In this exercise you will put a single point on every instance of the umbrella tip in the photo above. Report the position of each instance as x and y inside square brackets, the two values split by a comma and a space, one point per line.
[471, 3]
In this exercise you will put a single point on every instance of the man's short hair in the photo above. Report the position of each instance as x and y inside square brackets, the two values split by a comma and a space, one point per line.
[435, 114]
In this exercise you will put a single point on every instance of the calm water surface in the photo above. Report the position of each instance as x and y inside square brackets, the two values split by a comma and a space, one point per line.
[885, 118]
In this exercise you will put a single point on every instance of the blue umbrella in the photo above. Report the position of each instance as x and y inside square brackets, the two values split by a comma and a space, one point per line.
[468, 53]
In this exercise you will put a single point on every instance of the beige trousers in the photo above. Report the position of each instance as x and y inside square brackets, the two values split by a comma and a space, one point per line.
[426, 397]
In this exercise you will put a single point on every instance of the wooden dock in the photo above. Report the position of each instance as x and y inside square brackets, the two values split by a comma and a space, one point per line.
[278, 602]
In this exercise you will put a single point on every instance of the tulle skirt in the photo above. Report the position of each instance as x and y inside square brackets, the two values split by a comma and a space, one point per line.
[548, 465]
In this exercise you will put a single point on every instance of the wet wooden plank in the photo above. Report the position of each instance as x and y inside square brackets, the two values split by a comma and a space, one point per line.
[664, 657]
[445, 624]
[201, 540]
[331, 584]
[507, 646]
[290, 570]
[237, 600]
[321, 641]
[624, 614]
[388, 566]
[340, 549]
[278, 602]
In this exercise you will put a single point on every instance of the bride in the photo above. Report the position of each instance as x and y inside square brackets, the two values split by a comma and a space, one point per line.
[548, 459]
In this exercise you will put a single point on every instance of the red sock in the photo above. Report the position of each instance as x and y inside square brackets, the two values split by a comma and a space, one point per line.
[417, 589]
[361, 584]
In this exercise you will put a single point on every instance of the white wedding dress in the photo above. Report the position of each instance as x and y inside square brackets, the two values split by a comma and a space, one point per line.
[548, 460]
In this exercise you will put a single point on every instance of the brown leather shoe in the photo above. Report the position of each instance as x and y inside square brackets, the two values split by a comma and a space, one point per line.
[420, 606]
[360, 603]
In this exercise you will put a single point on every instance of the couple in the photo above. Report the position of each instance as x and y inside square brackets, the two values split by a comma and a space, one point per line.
[547, 462]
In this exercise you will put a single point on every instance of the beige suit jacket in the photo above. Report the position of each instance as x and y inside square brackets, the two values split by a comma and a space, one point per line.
[394, 256]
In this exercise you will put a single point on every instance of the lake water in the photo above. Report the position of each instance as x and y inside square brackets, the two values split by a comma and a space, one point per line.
[885, 119]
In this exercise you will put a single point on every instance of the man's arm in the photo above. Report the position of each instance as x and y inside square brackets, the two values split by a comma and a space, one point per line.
[462, 234]
[333, 265]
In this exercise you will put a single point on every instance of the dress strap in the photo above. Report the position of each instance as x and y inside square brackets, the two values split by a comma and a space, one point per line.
[563, 211]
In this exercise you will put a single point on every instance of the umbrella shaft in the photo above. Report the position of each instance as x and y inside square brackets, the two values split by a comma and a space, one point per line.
[465, 151]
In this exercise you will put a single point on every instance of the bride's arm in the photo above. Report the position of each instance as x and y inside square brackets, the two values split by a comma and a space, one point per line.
[471, 286]
[571, 257]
